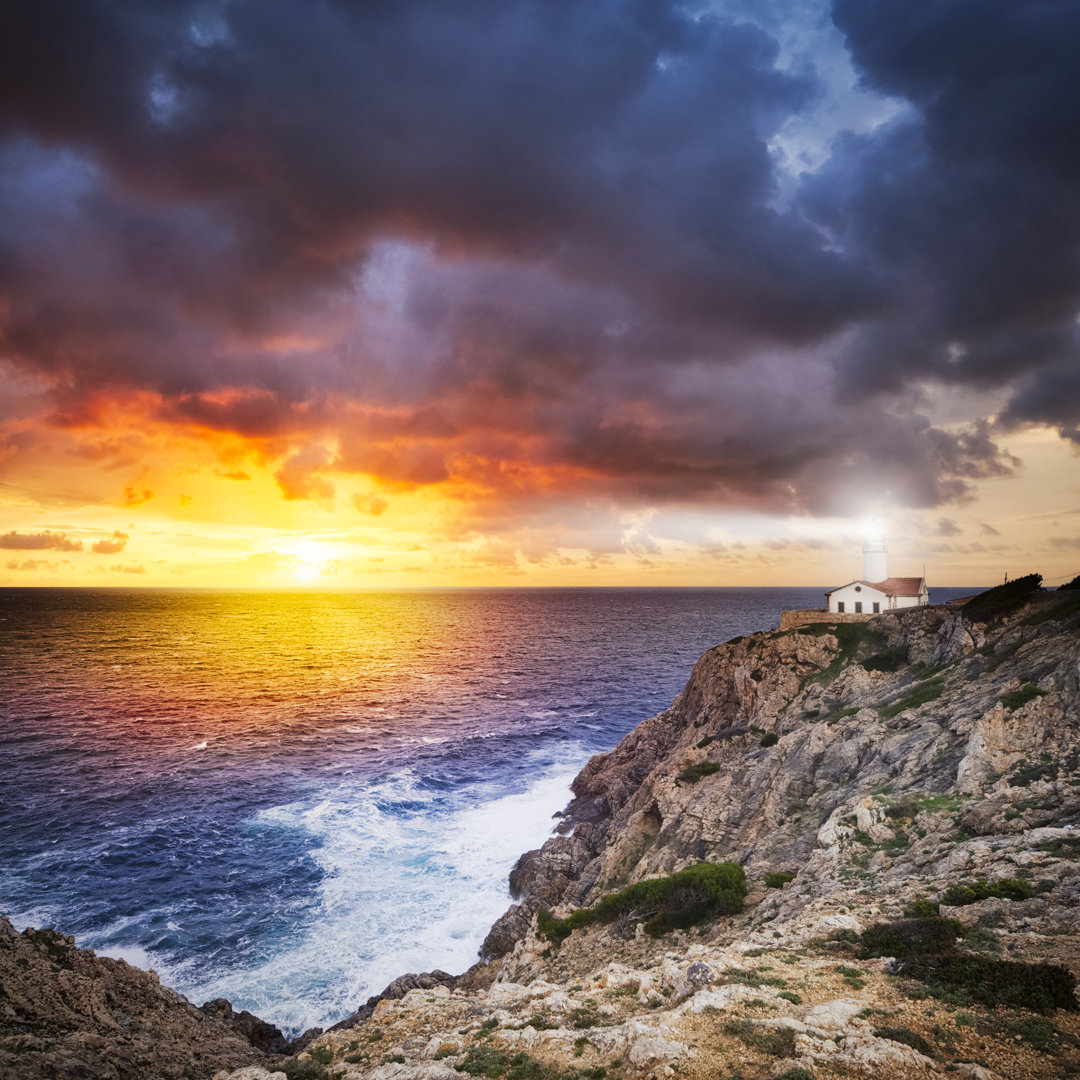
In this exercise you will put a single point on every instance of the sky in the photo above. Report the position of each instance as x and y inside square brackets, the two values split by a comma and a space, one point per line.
[384, 293]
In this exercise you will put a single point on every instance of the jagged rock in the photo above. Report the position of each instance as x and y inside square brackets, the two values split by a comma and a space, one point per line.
[259, 1033]
[424, 980]
[67, 1012]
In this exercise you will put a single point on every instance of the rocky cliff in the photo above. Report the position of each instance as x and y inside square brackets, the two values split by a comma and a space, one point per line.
[920, 711]
[916, 776]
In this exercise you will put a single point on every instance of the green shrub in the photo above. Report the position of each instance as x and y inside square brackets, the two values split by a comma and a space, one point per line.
[693, 773]
[790, 995]
[677, 901]
[1027, 692]
[973, 892]
[890, 660]
[922, 909]
[1039, 988]
[441, 1054]
[770, 740]
[909, 937]
[485, 1060]
[779, 879]
[1024, 774]
[798, 1073]
[905, 1036]
[999, 601]
[297, 1069]
[322, 1054]
[705, 742]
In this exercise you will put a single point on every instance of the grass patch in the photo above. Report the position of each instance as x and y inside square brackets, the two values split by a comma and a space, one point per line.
[677, 901]
[755, 978]
[907, 1037]
[929, 691]
[779, 879]
[1039, 1033]
[850, 638]
[779, 1042]
[693, 773]
[1027, 692]
[966, 978]
[973, 892]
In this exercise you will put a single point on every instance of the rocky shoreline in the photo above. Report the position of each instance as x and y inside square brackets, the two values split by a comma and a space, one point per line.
[862, 770]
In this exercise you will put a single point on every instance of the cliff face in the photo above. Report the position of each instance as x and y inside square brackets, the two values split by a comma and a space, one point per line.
[975, 733]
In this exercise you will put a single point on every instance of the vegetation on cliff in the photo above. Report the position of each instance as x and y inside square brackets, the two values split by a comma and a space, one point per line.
[674, 902]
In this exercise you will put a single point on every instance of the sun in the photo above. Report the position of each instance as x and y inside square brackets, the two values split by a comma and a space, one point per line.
[306, 572]
[310, 561]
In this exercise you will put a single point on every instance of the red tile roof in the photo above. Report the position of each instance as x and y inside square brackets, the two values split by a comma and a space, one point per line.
[892, 586]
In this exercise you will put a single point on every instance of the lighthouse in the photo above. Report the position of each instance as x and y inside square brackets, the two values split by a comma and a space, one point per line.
[874, 550]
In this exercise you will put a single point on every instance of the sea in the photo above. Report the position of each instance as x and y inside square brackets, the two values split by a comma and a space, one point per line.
[290, 798]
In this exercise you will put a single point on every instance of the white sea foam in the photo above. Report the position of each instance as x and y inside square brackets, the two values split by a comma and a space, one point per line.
[131, 954]
[400, 891]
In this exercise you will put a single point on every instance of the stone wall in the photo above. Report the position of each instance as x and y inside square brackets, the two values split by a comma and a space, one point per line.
[806, 616]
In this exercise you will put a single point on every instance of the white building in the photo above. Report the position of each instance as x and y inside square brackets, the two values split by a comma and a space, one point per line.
[875, 592]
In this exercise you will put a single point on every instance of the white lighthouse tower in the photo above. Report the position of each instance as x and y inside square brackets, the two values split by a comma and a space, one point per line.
[874, 550]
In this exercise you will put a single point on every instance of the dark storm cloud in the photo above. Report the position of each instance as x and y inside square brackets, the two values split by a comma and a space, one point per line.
[594, 269]
[965, 204]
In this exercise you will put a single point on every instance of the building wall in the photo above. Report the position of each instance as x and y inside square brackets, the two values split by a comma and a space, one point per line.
[853, 594]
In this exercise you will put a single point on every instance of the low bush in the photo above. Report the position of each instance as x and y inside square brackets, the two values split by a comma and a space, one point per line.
[302, 1069]
[1039, 988]
[779, 879]
[1027, 692]
[922, 909]
[1074, 584]
[907, 1037]
[771, 739]
[779, 1042]
[973, 892]
[693, 773]
[999, 601]
[910, 937]
[677, 901]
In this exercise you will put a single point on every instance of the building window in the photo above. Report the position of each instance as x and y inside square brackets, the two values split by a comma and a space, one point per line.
[840, 607]
[858, 607]
[877, 607]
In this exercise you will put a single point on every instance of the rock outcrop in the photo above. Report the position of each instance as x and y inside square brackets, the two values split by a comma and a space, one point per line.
[65, 1012]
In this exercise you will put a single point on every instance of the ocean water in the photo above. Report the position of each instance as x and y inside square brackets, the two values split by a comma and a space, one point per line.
[289, 799]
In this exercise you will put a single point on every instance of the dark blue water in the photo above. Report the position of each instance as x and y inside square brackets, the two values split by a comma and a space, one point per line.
[288, 799]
